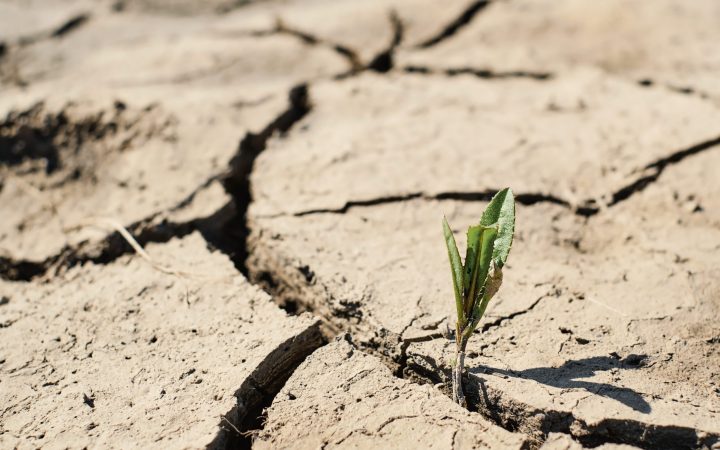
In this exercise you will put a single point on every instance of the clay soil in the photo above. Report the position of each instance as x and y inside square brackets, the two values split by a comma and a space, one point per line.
[220, 223]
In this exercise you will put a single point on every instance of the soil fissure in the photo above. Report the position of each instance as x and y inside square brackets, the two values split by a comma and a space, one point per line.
[456, 24]
[246, 418]
[237, 182]
[486, 74]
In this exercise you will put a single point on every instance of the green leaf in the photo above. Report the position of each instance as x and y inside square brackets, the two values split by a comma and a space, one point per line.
[456, 269]
[480, 266]
[501, 211]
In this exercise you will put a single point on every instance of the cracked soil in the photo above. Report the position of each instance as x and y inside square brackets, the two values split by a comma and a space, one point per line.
[220, 223]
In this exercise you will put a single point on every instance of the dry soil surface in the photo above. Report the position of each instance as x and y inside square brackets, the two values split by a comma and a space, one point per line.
[220, 222]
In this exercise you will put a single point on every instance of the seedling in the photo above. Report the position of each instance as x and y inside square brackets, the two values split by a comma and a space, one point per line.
[478, 280]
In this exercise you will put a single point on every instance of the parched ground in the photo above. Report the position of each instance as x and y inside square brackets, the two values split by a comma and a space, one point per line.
[220, 222]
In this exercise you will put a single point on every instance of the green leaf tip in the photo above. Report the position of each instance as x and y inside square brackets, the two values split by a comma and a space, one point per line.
[501, 211]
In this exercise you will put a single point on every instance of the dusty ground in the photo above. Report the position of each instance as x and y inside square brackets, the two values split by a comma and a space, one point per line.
[309, 149]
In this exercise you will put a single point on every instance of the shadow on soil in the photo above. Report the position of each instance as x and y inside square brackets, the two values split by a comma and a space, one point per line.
[570, 374]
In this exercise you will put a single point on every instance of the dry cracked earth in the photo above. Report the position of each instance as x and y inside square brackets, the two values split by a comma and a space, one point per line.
[220, 222]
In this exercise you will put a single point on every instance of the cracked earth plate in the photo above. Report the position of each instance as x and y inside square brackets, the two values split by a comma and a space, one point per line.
[600, 339]
[604, 327]
[576, 139]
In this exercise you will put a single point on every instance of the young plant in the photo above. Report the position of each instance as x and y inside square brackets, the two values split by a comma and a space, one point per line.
[478, 280]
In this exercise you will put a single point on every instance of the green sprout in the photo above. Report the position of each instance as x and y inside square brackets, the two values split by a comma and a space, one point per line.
[475, 283]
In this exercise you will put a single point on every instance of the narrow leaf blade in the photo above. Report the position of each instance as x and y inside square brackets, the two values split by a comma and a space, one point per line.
[501, 211]
[456, 269]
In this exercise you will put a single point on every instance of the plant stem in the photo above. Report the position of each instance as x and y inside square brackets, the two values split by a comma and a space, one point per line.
[458, 369]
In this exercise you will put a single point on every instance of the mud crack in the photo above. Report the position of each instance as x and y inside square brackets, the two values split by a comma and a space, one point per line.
[684, 90]
[486, 74]
[384, 61]
[22, 270]
[456, 24]
[70, 25]
[586, 208]
[496, 323]
[527, 198]
[246, 418]
[307, 38]
[654, 169]
[514, 415]
[153, 229]
[237, 182]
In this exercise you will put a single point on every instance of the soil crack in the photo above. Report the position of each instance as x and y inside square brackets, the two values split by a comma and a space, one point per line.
[384, 61]
[684, 90]
[496, 323]
[237, 182]
[70, 25]
[486, 74]
[362, 203]
[514, 415]
[459, 22]
[587, 208]
[112, 247]
[152, 229]
[657, 168]
[281, 28]
[246, 418]
[527, 198]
